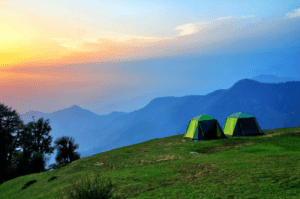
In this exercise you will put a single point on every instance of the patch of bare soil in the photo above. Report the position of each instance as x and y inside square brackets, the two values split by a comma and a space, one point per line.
[166, 158]
[271, 135]
[228, 145]
[195, 171]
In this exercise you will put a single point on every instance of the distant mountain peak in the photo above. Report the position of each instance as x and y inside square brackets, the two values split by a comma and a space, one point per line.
[32, 113]
[75, 107]
[245, 81]
[72, 109]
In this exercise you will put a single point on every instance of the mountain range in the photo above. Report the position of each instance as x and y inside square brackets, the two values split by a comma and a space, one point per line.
[274, 79]
[275, 105]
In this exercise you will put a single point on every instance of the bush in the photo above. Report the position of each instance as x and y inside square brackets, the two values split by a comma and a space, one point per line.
[90, 190]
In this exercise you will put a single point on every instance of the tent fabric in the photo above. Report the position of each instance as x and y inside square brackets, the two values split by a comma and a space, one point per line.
[240, 115]
[191, 128]
[204, 127]
[230, 125]
[203, 117]
[242, 124]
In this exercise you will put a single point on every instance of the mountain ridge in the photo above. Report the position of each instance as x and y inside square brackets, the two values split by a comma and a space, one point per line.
[269, 118]
[274, 106]
[274, 79]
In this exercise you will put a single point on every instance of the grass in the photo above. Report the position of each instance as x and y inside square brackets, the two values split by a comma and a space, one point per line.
[247, 167]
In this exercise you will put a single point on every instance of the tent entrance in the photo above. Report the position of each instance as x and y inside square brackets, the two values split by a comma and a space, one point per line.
[248, 127]
[210, 129]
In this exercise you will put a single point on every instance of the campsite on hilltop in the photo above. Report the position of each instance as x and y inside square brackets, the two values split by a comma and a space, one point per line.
[265, 166]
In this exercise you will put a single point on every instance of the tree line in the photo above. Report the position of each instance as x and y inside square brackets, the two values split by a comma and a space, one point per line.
[34, 140]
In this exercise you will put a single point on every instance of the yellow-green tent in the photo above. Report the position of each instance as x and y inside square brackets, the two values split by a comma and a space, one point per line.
[242, 124]
[204, 127]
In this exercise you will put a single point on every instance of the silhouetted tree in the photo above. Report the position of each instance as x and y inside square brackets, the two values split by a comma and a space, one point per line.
[20, 162]
[10, 123]
[20, 165]
[40, 129]
[35, 141]
[33, 138]
[66, 150]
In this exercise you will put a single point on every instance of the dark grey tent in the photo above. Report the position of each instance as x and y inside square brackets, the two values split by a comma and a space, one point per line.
[242, 124]
[204, 127]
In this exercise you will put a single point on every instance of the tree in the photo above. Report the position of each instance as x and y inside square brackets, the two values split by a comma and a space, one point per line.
[20, 165]
[66, 153]
[33, 138]
[10, 123]
[41, 128]
[35, 141]
[21, 162]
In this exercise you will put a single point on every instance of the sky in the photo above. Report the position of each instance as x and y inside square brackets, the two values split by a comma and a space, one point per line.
[119, 55]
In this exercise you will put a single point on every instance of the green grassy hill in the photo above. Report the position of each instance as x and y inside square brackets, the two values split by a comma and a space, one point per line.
[250, 167]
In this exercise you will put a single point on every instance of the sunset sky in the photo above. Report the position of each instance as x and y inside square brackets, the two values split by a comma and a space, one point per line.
[118, 55]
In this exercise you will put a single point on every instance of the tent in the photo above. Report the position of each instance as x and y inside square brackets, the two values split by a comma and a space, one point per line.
[204, 127]
[242, 124]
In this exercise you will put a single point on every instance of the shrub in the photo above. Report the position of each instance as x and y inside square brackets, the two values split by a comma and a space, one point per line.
[90, 190]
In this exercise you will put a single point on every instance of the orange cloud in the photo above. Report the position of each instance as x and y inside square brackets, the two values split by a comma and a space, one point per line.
[43, 41]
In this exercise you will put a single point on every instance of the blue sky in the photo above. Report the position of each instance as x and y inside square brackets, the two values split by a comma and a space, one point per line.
[118, 55]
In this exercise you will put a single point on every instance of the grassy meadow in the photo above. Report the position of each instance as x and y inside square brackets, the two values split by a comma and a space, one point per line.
[247, 167]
